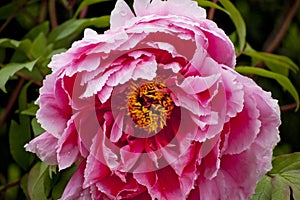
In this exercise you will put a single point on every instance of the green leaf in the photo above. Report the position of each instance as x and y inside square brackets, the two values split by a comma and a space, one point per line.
[287, 168]
[36, 127]
[238, 22]
[17, 140]
[10, 69]
[263, 189]
[281, 180]
[9, 43]
[274, 62]
[7, 10]
[31, 111]
[74, 27]
[20, 134]
[286, 162]
[281, 190]
[41, 28]
[282, 80]
[39, 46]
[59, 187]
[293, 179]
[39, 182]
[87, 3]
[204, 3]
[24, 185]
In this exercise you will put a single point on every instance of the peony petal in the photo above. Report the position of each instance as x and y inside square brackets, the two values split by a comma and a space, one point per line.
[74, 188]
[220, 47]
[54, 109]
[161, 184]
[44, 146]
[67, 151]
[120, 15]
[170, 7]
[244, 127]
[197, 84]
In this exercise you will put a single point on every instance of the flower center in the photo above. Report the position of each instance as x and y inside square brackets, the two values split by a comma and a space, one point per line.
[149, 106]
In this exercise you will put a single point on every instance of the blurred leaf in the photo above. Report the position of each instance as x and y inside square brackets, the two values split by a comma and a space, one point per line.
[59, 187]
[238, 22]
[39, 45]
[24, 185]
[282, 80]
[36, 127]
[17, 140]
[13, 173]
[9, 43]
[7, 10]
[25, 20]
[10, 69]
[39, 182]
[274, 62]
[204, 3]
[20, 134]
[41, 28]
[87, 3]
[31, 111]
[74, 27]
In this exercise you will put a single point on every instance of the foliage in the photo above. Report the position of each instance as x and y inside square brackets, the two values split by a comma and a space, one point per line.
[32, 31]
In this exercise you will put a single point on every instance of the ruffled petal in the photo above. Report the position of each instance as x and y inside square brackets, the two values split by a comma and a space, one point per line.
[44, 146]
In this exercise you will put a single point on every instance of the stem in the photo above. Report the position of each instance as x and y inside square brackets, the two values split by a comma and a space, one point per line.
[281, 31]
[43, 11]
[10, 185]
[288, 107]
[24, 76]
[52, 13]
[12, 16]
[212, 11]
[12, 101]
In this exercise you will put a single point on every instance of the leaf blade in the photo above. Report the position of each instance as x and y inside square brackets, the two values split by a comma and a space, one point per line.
[282, 80]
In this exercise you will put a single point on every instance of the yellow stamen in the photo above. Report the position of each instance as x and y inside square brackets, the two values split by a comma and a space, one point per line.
[149, 106]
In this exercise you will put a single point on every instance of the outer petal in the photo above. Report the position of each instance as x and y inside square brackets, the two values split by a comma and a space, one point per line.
[68, 151]
[74, 188]
[44, 146]
[54, 109]
[120, 15]
[170, 7]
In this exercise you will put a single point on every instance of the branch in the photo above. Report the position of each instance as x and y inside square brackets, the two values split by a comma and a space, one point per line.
[11, 101]
[282, 28]
[12, 16]
[212, 11]
[288, 107]
[52, 13]
[10, 185]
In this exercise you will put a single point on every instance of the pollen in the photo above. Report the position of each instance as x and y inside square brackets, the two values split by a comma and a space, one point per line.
[149, 106]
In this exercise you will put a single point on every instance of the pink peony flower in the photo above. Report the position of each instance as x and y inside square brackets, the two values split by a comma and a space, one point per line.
[153, 109]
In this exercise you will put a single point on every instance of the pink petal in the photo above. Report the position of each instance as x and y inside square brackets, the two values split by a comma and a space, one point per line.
[244, 127]
[117, 128]
[161, 184]
[220, 47]
[44, 146]
[120, 15]
[197, 84]
[74, 188]
[170, 7]
[54, 109]
[68, 151]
